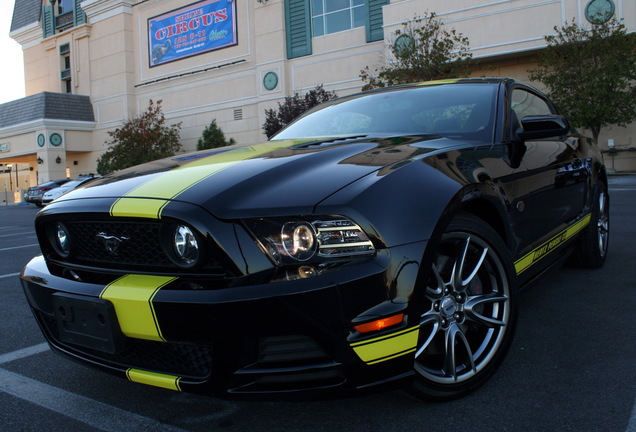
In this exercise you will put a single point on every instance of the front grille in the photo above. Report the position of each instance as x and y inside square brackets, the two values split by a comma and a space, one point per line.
[139, 243]
[291, 349]
[286, 364]
[186, 360]
[129, 245]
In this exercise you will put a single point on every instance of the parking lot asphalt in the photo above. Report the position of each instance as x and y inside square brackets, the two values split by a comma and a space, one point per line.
[570, 368]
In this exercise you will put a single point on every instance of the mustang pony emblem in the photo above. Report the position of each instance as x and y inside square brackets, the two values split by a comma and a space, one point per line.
[111, 243]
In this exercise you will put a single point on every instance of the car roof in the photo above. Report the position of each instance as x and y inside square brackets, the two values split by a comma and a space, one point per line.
[489, 80]
[484, 80]
[50, 182]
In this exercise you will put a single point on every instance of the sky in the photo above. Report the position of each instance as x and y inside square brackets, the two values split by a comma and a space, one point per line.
[12, 71]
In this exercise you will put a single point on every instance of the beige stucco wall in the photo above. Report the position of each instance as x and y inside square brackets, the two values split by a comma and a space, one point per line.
[197, 99]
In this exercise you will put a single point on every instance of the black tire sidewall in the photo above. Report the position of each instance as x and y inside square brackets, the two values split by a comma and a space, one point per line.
[587, 253]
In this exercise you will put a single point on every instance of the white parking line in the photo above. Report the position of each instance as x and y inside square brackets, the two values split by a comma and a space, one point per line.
[19, 247]
[18, 234]
[93, 413]
[9, 275]
[22, 353]
[631, 426]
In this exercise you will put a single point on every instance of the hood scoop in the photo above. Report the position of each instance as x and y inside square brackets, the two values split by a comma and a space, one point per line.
[327, 142]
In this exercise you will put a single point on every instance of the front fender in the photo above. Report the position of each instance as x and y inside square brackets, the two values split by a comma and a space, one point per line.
[414, 202]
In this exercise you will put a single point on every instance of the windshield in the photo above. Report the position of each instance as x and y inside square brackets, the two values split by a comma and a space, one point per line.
[464, 111]
[73, 184]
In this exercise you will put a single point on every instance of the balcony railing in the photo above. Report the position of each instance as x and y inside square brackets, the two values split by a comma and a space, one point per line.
[64, 20]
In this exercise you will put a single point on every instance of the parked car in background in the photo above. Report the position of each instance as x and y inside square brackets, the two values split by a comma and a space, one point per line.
[34, 194]
[65, 188]
[382, 236]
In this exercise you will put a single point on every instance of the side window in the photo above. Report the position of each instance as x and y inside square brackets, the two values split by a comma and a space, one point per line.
[331, 16]
[524, 103]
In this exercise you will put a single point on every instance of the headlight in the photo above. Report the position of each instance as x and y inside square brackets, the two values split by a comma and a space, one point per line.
[342, 237]
[319, 238]
[186, 247]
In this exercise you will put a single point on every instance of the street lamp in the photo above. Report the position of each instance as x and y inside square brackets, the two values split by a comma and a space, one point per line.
[10, 166]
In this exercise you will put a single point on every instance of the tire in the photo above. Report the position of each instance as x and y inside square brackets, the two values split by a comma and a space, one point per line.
[469, 314]
[591, 248]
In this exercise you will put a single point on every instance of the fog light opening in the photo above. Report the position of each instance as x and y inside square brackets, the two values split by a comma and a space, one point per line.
[186, 246]
[61, 240]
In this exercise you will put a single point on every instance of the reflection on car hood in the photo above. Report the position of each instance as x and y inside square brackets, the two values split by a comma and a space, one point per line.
[277, 177]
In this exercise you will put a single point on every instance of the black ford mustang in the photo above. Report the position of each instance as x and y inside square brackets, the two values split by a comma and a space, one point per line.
[381, 236]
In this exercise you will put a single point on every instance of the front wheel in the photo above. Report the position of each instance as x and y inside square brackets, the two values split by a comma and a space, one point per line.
[470, 311]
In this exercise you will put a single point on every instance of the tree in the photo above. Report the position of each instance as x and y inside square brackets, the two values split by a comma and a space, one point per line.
[294, 106]
[422, 50]
[142, 139]
[590, 74]
[213, 137]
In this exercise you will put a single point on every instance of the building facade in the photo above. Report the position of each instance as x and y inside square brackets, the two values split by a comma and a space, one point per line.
[90, 65]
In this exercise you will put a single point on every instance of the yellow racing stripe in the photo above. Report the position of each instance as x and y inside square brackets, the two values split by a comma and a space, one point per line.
[132, 297]
[535, 255]
[170, 382]
[387, 347]
[148, 199]
[438, 82]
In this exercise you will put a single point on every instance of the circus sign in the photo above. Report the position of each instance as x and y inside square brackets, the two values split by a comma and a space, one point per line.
[195, 29]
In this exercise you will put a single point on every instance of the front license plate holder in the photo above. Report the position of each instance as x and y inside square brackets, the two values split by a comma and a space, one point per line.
[88, 322]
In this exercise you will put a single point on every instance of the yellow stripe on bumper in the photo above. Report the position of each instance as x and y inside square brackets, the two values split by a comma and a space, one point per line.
[546, 248]
[132, 297]
[387, 347]
[148, 199]
[170, 382]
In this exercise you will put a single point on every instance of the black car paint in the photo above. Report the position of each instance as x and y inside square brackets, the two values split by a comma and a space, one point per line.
[525, 191]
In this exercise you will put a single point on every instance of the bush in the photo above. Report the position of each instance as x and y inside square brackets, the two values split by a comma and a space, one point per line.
[422, 50]
[142, 139]
[213, 137]
[293, 107]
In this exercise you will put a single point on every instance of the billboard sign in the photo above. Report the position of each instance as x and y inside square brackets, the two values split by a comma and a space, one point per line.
[201, 27]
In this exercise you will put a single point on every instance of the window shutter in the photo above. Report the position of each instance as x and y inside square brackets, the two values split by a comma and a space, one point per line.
[79, 14]
[298, 28]
[48, 27]
[374, 20]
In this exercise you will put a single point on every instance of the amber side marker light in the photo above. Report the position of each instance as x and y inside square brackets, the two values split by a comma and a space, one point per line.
[380, 324]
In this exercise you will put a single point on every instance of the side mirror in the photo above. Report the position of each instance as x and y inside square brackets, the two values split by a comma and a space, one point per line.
[537, 127]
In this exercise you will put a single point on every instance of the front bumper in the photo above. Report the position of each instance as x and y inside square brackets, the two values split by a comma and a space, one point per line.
[287, 335]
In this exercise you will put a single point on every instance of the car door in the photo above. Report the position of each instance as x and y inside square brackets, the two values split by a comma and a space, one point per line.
[554, 182]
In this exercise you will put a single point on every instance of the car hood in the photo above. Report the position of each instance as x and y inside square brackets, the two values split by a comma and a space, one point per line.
[275, 178]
